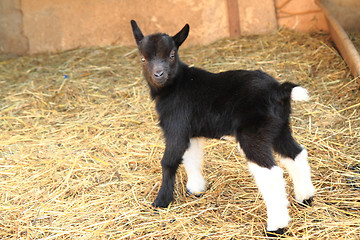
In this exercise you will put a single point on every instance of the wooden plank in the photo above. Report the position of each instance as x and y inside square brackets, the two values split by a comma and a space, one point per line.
[234, 20]
[343, 43]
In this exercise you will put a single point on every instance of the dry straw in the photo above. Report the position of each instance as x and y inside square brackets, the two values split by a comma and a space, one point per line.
[80, 146]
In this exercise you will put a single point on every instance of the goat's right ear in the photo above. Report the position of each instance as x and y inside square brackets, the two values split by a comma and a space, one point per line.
[180, 37]
[136, 31]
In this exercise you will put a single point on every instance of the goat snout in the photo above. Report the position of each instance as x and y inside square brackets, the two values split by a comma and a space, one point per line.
[159, 78]
[159, 74]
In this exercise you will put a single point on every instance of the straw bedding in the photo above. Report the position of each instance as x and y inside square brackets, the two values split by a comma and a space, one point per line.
[80, 146]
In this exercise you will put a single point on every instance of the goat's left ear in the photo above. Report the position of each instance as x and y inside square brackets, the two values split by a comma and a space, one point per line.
[180, 37]
[137, 32]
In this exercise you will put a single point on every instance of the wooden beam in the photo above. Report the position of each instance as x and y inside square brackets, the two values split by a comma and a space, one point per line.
[234, 20]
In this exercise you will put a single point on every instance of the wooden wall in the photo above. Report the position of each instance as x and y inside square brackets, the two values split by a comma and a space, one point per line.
[33, 26]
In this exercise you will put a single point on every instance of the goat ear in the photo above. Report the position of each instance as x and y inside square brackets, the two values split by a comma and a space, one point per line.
[136, 31]
[180, 37]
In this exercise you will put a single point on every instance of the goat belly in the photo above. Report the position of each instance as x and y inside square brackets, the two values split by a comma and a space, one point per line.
[213, 125]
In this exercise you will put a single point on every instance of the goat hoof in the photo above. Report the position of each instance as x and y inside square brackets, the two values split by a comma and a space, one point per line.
[277, 233]
[162, 203]
[159, 204]
[306, 202]
[189, 193]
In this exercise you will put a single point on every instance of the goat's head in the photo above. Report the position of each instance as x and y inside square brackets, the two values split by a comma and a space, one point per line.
[159, 54]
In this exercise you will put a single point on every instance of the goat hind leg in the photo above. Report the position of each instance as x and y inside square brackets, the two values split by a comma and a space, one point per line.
[294, 160]
[271, 185]
[269, 180]
[300, 173]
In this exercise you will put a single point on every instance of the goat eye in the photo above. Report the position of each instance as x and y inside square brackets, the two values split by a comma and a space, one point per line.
[172, 54]
[143, 59]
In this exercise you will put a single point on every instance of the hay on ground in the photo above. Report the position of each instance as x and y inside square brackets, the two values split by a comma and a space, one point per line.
[80, 146]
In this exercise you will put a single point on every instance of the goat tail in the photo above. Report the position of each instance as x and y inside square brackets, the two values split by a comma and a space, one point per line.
[297, 93]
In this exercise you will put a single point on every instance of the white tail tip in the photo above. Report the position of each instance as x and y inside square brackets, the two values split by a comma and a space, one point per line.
[299, 94]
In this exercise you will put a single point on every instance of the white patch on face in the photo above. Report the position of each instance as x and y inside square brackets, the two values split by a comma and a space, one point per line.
[271, 185]
[300, 173]
[192, 161]
[299, 94]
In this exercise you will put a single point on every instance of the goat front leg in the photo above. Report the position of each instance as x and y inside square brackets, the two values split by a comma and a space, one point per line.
[170, 163]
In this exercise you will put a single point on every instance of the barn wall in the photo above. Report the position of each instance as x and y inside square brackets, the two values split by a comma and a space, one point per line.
[346, 12]
[33, 26]
[300, 15]
[65, 24]
[257, 16]
[12, 39]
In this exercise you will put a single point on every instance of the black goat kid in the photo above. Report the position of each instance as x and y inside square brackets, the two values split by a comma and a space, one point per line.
[249, 105]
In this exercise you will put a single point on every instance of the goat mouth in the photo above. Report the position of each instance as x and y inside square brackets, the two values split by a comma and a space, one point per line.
[159, 82]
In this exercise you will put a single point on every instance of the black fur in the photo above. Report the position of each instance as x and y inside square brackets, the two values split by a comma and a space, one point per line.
[306, 202]
[191, 102]
[276, 234]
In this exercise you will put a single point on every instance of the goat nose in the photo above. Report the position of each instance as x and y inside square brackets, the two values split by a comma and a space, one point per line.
[159, 74]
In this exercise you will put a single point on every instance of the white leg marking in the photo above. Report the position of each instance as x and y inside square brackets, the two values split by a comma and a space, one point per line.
[300, 173]
[240, 150]
[271, 185]
[299, 94]
[192, 161]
